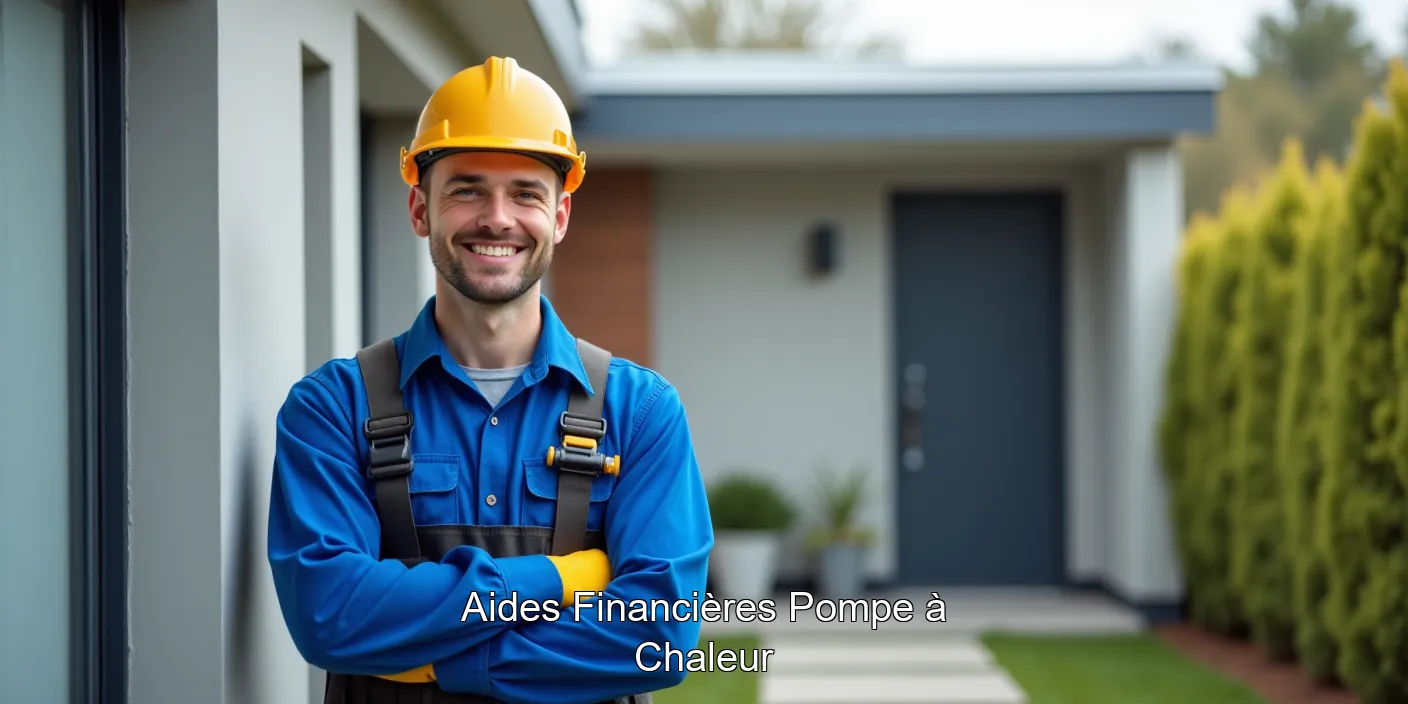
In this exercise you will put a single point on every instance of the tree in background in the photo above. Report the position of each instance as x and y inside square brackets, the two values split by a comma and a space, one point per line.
[1255, 114]
[1173, 48]
[778, 25]
[1327, 61]
[1313, 69]
[1311, 46]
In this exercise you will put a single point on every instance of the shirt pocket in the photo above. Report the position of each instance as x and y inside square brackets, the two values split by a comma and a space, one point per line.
[433, 484]
[539, 507]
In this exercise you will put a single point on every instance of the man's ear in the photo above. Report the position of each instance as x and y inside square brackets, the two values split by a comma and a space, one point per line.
[564, 213]
[418, 207]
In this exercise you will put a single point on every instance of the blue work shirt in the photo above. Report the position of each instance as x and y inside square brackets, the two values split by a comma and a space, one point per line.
[349, 612]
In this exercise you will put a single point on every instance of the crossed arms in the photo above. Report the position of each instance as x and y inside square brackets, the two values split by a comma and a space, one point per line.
[349, 612]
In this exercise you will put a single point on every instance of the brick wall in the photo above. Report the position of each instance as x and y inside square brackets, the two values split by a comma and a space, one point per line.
[601, 274]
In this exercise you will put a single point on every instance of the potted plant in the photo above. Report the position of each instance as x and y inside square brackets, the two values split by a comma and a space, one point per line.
[750, 516]
[840, 542]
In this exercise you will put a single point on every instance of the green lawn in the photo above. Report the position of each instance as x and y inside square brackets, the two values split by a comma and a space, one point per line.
[716, 687]
[1053, 670]
[1111, 670]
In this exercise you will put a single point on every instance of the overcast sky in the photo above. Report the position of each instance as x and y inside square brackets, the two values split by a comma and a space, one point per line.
[1034, 31]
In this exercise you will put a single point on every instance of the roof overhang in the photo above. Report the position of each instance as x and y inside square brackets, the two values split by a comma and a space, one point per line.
[769, 102]
[544, 36]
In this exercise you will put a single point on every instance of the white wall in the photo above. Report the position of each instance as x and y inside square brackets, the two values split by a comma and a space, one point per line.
[1145, 186]
[734, 313]
[1088, 360]
[1117, 506]
[218, 311]
[776, 369]
[1119, 351]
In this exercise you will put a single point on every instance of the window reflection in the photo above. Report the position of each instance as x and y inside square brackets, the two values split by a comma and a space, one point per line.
[35, 516]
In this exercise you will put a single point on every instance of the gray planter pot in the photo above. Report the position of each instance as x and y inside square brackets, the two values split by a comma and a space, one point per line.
[842, 572]
[745, 563]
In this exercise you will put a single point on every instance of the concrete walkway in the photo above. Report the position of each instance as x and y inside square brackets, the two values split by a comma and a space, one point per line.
[919, 662]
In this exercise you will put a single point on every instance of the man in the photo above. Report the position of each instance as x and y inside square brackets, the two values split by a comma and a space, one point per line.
[394, 582]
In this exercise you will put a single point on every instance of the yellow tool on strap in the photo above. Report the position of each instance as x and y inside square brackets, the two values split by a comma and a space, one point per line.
[579, 453]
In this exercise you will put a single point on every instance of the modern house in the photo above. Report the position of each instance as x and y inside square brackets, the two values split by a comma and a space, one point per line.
[200, 203]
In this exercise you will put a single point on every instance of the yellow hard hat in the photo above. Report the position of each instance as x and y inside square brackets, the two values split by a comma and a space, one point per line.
[498, 106]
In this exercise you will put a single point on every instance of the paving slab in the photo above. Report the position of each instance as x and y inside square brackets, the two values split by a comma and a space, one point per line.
[982, 688]
[840, 638]
[793, 654]
[819, 658]
[966, 611]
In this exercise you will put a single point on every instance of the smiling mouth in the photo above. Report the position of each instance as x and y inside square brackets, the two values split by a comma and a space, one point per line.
[493, 250]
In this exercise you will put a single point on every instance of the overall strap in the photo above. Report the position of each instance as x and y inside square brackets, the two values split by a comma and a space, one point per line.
[577, 460]
[388, 432]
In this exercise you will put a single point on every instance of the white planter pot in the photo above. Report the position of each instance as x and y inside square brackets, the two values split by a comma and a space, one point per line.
[842, 572]
[745, 563]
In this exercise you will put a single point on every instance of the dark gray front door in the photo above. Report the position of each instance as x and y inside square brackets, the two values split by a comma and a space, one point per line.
[978, 387]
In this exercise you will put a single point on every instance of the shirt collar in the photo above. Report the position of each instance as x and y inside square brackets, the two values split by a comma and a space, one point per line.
[556, 348]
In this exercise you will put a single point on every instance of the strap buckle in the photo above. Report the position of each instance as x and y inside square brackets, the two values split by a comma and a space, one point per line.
[387, 427]
[390, 458]
[389, 446]
[572, 425]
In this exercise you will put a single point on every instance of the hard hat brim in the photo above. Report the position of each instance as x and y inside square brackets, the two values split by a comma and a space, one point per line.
[572, 178]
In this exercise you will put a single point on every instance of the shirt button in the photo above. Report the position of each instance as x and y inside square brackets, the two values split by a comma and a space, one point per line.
[491, 500]
[494, 420]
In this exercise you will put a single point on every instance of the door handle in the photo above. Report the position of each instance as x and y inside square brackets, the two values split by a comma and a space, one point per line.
[912, 401]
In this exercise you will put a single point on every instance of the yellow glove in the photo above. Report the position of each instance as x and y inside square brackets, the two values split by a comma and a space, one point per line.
[424, 673]
[584, 571]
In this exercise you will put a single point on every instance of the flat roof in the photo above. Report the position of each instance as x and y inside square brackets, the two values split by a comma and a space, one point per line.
[785, 99]
[762, 73]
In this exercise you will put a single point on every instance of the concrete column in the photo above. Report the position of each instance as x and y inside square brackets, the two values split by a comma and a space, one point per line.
[1149, 228]
[400, 276]
[318, 211]
[244, 261]
[177, 554]
[242, 255]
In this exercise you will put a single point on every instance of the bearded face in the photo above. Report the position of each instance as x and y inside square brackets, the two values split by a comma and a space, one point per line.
[489, 268]
[492, 221]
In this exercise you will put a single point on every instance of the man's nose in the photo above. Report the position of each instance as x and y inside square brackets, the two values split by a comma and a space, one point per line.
[495, 216]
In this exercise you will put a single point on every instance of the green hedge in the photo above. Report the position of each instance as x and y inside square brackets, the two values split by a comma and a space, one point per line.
[1197, 430]
[1303, 406]
[1285, 436]
[1260, 568]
